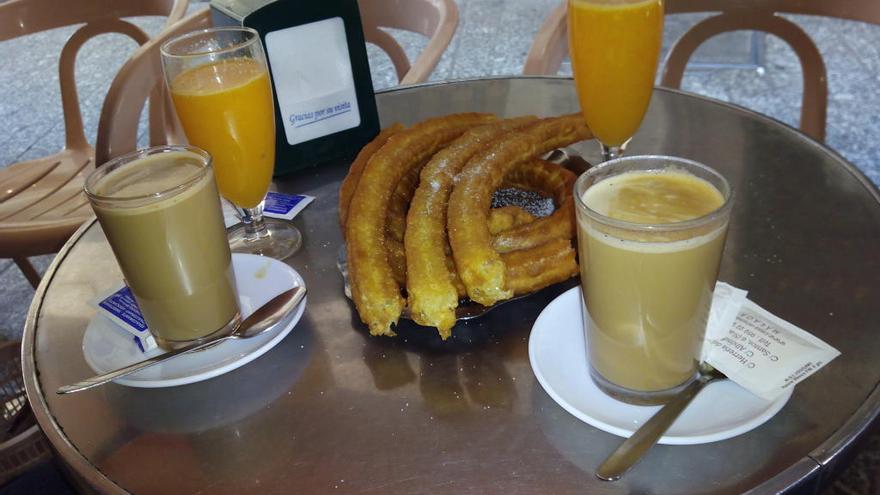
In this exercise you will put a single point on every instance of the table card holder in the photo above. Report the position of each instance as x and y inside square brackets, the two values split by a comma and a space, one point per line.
[325, 107]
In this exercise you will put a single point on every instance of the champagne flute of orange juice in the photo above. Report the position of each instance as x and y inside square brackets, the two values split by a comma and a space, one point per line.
[614, 47]
[219, 81]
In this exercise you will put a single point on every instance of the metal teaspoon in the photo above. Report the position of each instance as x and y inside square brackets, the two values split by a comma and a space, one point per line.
[634, 447]
[261, 320]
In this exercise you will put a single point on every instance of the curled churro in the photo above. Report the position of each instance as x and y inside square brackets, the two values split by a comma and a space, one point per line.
[547, 178]
[396, 260]
[349, 184]
[528, 270]
[508, 217]
[375, 292]
[399, 204]
[479, 265]
[431, 277]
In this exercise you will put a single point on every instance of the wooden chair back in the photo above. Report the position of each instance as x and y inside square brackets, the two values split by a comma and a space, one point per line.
[41, 201]
[550, 45]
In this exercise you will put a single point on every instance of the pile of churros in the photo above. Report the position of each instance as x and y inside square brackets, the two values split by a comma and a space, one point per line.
[416, 211]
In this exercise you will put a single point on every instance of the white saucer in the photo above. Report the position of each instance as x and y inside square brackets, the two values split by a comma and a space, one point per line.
[559, 360]
[106, 347]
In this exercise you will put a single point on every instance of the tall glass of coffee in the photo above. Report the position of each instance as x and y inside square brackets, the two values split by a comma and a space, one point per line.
[160, 210]
[651, 231]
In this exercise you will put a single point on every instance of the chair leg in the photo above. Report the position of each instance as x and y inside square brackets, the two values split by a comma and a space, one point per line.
[28, 270]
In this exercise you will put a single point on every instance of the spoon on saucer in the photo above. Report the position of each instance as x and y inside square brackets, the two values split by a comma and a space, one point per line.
[633, 448]
[264, 318]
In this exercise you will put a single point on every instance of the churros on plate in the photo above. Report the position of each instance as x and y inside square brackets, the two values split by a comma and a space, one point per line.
[415, 210]
[375, 292]
[430, 284]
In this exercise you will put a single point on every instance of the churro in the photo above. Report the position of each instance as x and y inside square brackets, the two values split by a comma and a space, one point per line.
[396, 221]
[480, 266]
[508, 217]
[431, 288]
[547, 178]
[349, 184]
[528, 270]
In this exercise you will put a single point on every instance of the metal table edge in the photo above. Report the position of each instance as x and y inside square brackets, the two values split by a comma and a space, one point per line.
[35, 393]
[797, 477]
[847, 436]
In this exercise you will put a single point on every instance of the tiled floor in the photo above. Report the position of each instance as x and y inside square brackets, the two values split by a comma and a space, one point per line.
[493, 38]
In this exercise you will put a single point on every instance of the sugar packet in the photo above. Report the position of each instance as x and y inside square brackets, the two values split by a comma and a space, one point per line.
[286, 206]
[758, 350]
[726, 303]
[119, 306]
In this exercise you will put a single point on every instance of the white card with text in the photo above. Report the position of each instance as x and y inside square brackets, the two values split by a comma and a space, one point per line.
[313, 79]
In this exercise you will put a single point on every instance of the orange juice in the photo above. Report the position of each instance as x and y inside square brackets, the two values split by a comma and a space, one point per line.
[614, 47]
[227, 109]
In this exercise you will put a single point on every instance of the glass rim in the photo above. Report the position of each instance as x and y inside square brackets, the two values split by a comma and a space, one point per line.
[702, 220]
[167, 52]
[116, 163]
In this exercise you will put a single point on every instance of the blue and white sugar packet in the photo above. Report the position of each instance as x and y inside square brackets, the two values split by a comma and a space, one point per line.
[120, 307]
[285, 206]
[276, 205]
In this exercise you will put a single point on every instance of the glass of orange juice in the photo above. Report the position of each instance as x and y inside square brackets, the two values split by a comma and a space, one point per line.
[219, 82]
[614, 47]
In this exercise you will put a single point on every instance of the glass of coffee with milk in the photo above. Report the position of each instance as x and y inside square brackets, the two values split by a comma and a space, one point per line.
[160, 210]
[651, 232]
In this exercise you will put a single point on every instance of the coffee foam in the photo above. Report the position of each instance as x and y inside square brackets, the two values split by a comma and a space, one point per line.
[601, 196]
[650, 197]
[652, 247]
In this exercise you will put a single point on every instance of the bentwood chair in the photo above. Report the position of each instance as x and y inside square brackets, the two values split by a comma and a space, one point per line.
[550, 45]
[436, 19]
[139, 79]
[41, 201]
